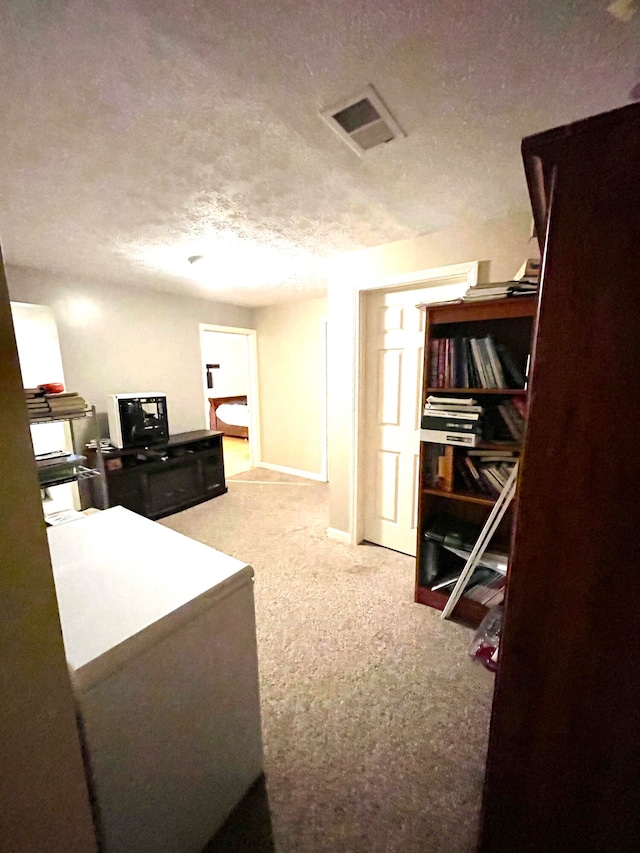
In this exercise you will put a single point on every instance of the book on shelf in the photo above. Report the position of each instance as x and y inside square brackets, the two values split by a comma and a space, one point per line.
[463, 413]
[449, 437]
[494, 361]
[490, 290]
[473, 362]
[450, 422]
[438, 467]
[514, 375]
[55, 405]
[490, 476]
[439, 413]
[513, 419]
[481, 472]
[466, 403]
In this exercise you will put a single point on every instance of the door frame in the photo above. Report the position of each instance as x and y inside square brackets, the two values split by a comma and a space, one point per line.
[453, 274]
[253, 396]
[324, 403]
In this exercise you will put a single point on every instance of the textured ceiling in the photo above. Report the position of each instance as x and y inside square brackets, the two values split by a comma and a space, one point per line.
[136, 133]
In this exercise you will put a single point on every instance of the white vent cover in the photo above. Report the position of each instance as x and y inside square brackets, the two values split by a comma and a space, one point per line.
[363, 121]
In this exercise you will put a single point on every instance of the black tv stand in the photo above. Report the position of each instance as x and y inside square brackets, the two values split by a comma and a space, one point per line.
[165, 478]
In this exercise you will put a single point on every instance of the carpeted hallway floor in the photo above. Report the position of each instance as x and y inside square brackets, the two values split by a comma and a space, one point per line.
[374, 718]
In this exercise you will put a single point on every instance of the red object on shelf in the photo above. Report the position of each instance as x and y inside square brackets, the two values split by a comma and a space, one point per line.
[52, 387]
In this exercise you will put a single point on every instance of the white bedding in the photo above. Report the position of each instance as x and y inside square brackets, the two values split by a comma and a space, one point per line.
[234, 414]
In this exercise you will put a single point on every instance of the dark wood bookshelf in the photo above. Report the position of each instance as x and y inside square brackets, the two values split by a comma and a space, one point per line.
[509, 321]
[563, 752]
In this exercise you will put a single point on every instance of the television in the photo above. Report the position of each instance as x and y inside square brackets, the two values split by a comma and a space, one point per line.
[138, 420]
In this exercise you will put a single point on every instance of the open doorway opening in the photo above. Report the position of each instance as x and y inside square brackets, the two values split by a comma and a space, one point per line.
[229, 374]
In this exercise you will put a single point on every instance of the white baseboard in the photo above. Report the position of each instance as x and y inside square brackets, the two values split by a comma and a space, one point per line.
[338, 535]
[308, 475]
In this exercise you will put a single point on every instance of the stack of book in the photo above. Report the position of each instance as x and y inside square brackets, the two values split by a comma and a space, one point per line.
[451, 420]
[525, 283]
[44, 406]
[500, 290]
[463, 362]
[36, 404]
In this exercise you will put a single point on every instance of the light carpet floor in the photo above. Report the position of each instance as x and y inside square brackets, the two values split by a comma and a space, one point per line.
[374, 718]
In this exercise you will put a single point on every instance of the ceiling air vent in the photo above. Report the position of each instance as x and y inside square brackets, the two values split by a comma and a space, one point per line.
[363, 121]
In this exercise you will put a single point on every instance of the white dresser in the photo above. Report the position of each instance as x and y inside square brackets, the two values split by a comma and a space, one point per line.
[159, 632]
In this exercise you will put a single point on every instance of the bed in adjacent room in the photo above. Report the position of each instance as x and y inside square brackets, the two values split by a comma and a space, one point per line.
[230, 415]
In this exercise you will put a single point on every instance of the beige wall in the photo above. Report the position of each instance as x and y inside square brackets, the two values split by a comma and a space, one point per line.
[118, 339]
[43, 792]
[501, 246]
[291, 379]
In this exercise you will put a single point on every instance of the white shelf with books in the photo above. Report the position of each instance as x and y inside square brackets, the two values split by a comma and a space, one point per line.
[63, 466]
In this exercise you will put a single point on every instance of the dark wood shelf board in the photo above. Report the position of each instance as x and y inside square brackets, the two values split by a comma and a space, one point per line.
[484, 500]
[498, 446]
[489, 309]
[515, 392]
[467, 611]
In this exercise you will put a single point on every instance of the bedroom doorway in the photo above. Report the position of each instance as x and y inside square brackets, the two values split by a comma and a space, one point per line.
[229, 379]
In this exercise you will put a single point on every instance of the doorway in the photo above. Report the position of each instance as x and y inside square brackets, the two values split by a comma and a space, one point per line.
[229, 376]
[387, 411]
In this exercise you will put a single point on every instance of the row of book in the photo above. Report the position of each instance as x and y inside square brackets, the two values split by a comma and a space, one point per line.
[476, 471]
[465, 362]
[49, 406]
[484, 472]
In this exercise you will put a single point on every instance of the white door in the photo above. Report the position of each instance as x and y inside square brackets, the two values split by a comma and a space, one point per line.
[394, 334]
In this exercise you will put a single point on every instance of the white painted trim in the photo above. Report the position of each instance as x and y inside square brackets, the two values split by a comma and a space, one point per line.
[458, 273]
[324, 411]
[308, 475]
[339, 535]
[355, 484]
[253, 397]
[466, 273]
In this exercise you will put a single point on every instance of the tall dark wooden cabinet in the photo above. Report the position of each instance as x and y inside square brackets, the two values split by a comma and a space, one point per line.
[563, 768]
